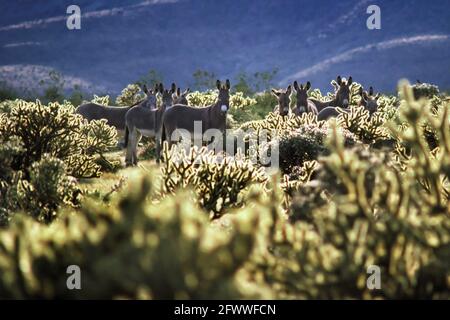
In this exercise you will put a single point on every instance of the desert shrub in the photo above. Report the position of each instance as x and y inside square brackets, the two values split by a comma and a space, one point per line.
[47, 189]
[41, 148]
[250, 108]
[130, 95]
[368, 129]
[365, 208]
[103, 100]
[38, 192]
[283, 125]
[53, 87]
[131, 249]
[257, 82]
[263, 136]
[8, 178]
[203, 80]
[265, 103]
[218, 183]
[241, 107]
[435, 107]
[7, 92]
[426, 90]
[56, 131]
[238, 101]
[209, 97]
[301, 145]
[206, 98]
[306, 143]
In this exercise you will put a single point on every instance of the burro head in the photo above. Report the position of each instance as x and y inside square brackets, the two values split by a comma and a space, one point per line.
[343, 92]
[181, 97]
[369, 100]
[167, 95]
[224, 95]
[302, 96]
[284, 99]
[150, 99]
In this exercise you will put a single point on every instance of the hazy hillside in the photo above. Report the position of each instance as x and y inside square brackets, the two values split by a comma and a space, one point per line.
[120, 41]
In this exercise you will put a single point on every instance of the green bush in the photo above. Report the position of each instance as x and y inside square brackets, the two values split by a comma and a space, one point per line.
[55, 130]
[130, 95]
[41, 148]
[369, 208]
[47, 190]
[369, 129]
[102, 100]
[132, 249]
[219, 183]
[426, 90]
[304, 144]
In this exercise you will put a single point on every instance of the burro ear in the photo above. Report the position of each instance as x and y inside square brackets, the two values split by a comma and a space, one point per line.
[186, 91]
[308, 85]
[161, 88]
[296, 85]
[227, 84]
[378, 95]
[360, 91]
[173, 88]
[289, 89]
[144, 88]
[365, 96]
[339, 80]
[218, 84]
[275, 93]
[178, 92]
[371, 91]
[335, 85]
[349, 81]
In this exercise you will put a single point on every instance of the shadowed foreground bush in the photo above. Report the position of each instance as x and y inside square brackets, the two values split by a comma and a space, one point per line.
[131, 249]
[42, 148]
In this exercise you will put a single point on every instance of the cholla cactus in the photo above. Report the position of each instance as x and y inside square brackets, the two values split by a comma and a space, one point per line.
[132, 249]
[368, 129]
[364, 209]
[57, 131]
[41, 146]
[103, 100]
[206, 98]
[130, 95]
[237, 100]
[8, 178]
[427, 90]
[218, 182]
[47, 190]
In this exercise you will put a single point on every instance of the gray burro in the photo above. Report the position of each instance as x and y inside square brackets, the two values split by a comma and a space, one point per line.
[114, 115]
[144, 121]
[185, 118]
